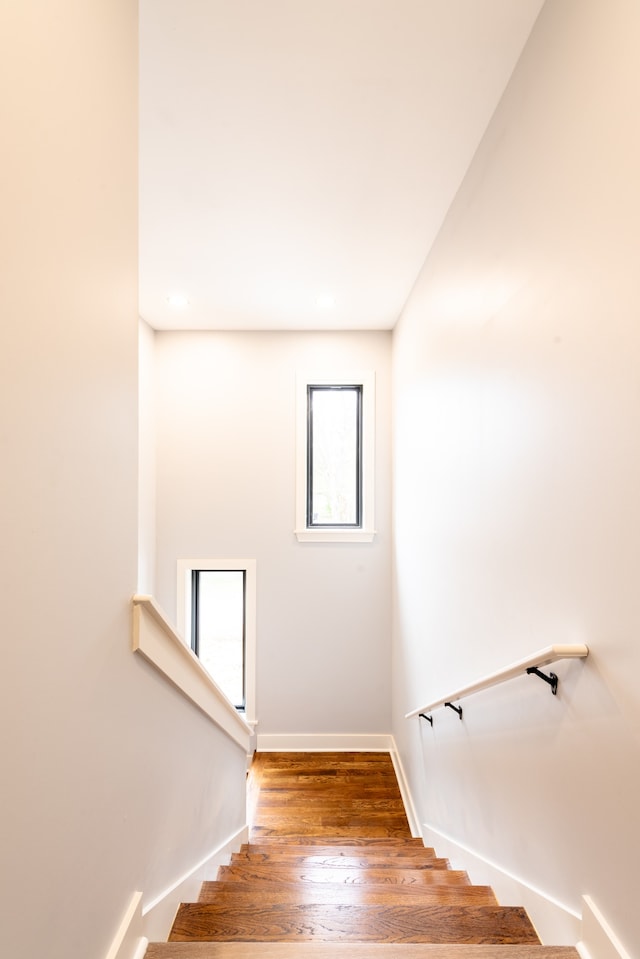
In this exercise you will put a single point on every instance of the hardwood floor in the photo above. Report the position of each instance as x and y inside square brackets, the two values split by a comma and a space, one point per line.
[331, 868]
[341, 795]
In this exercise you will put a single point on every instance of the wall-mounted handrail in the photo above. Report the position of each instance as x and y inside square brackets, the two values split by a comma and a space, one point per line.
[532, 664]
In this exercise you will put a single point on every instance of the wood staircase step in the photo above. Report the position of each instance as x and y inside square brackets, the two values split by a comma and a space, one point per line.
[321, 791]
[344, 812]
[379, 853]
[326, 893]
[384, 874]
[375, 798]
[319, 805]
[378, 785]
[284, 758]
[351, 950]
[346, 923]
[325, 778]
[322, 765]
[321, 783]
[288, 826]
[332, 872]
[344, 861]
[387, 842]
[324, 773]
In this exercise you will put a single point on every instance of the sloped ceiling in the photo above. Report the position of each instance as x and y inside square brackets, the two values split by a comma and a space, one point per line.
[297, 157]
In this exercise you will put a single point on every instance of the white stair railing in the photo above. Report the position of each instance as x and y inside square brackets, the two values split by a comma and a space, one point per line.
[160, 644]
[531, 665]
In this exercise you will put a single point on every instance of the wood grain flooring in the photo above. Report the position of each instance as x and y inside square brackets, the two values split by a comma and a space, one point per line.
[331, 893]
[331, 869]
[366, 876]
[349, 923]
[341, 795]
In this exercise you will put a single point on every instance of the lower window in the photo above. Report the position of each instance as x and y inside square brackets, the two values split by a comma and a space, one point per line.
[216, 617]
[218, 628]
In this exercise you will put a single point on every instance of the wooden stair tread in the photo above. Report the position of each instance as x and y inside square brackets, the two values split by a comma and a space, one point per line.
[323, 791]
[275, 778]
[349, 773]
[347, 923]
[364, 861]
[383, 802]
[380, 774]
[283, 759]
[332, 872]
[316, 874]
[324, 815]
[340, 893]
[323, 781]
[351, 950]
[380, 852]
[293, 825]
[390, 842]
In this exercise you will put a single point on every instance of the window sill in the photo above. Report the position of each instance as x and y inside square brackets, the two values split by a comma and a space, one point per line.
[335, 535]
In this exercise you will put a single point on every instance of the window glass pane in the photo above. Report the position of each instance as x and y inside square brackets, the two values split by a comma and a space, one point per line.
[220, 627]
[334, 456]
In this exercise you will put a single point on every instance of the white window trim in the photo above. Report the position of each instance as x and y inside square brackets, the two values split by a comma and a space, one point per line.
[365, 534]
[185, 569]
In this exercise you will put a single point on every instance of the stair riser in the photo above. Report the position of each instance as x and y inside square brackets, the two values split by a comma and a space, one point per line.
[351, 950]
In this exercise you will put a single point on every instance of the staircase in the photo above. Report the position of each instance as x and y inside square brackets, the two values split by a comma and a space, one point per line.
[331, 870]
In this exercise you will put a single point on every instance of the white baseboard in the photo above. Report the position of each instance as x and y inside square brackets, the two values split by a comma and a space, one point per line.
[598, 939]
[129, 940]
[405, 792]
[555, 923]
[151, 921]
[324, 742]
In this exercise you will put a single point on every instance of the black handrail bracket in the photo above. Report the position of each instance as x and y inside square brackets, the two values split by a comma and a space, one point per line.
[456, 709]
[552, 679]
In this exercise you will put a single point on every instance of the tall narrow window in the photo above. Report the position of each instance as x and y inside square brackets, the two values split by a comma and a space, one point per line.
[218, 628]
[216, 609]
[216, 616]
[335, 441]
[334, 456]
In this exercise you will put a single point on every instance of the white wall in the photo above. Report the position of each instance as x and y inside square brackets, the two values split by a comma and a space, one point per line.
[517, 471]
[146, 460]
[106, 772]
[226, 487]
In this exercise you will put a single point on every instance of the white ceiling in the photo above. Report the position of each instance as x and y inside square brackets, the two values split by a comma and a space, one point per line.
[295, 149]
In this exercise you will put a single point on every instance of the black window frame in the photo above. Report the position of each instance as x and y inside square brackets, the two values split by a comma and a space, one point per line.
[356, 388]
[195, 623]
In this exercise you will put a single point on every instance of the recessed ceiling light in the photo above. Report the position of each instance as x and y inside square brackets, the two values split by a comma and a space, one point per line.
[326, 302]
[178, 301]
